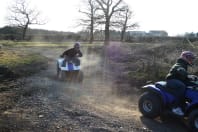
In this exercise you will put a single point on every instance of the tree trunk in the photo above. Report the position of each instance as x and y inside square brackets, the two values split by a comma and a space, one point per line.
[91, 37]
[107, 32]
[24, 31]
[122, 34]
[91, 32]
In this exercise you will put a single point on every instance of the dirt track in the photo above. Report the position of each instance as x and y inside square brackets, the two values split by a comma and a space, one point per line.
[47, 104]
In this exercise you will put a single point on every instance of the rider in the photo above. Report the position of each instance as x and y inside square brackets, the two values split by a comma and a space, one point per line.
[178, 79]
[72, 54]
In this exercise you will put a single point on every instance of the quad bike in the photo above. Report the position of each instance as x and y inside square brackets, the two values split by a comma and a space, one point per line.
[69, 71]
[155, 101]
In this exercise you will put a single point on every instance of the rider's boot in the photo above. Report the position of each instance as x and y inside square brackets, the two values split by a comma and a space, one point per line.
[178, 111]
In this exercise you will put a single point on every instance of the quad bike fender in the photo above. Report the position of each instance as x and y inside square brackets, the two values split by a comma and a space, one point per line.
[68, 66]
[152, 88]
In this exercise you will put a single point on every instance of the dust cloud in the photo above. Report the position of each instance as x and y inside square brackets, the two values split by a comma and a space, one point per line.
[97, 89]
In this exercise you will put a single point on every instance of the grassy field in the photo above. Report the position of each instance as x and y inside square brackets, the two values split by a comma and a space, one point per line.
[11, 58]
[15, 56]
[43, 44]
[140, 61]
[18, 60]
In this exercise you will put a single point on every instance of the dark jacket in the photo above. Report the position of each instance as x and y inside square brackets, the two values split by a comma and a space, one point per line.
[72, 53]
[179, 71]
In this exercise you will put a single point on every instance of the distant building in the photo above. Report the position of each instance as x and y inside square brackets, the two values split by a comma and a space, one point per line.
[158, 33]
[154, 33]
[137, 33]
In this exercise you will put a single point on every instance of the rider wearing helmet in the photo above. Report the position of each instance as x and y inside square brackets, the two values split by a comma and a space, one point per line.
[72, 54]
[177, 79]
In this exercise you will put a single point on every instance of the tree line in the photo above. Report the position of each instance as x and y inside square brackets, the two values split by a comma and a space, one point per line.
[114, 16]
[16, 34]
[110, 14]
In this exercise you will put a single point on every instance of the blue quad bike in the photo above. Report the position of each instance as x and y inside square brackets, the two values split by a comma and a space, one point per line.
[69, 72]
[155, 101]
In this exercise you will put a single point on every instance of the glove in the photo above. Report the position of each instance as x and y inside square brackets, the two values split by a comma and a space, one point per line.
[192, 77]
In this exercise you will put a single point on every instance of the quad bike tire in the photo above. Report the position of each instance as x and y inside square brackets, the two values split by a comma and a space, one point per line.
[74, 76]
[71, 76]
[150, 105]
[193, 121]
[62, 75]
[80, 76]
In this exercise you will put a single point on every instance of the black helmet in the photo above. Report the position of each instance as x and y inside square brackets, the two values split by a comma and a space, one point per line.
[77, 45]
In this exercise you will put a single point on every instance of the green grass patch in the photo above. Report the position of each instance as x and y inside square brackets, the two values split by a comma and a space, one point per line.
[11, 58]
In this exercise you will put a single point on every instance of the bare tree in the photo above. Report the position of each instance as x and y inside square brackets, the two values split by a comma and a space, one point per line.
[109, 8]
[22, 15]
[91, 17]
[125, 23]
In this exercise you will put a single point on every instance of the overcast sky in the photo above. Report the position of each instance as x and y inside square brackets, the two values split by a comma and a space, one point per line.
[174, 16]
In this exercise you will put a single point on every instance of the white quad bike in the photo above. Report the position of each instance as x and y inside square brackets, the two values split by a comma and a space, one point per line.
[69, 72]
